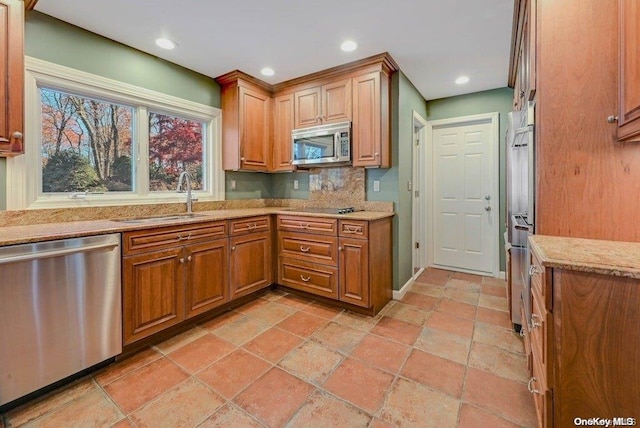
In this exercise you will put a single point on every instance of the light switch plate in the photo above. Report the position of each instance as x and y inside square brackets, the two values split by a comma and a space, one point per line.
[376, 185]
[295, 184]
[233, 184]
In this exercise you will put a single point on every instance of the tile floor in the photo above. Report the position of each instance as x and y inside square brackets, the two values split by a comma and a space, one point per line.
[444, 356]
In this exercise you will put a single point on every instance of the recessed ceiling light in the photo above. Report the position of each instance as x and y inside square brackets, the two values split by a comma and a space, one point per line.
[462, 80]
[349, 46]
[165, 43]
[267, 71]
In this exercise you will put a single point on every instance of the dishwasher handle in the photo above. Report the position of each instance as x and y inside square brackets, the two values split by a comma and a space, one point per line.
[55, 253]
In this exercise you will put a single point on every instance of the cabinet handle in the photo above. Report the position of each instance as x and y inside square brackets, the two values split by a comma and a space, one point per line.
[182, 237]
[304, 250]
[242, 159]
[304, 225]
[252, 226]
[534, 322]
[17, 135]
[189, 258]
[376, 154]
[533, 270]
[347, 229]
[530, 386]
[523, 333]
[612, 119]
[307, 279]
[181, 259]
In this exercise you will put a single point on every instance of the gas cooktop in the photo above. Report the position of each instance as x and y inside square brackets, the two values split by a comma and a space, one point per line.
[344, 210]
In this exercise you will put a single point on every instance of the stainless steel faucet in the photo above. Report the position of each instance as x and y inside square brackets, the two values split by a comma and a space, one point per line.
[184, 174]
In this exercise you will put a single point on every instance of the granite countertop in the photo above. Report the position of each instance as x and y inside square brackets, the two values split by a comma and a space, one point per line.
[11, 235]
[588, 255]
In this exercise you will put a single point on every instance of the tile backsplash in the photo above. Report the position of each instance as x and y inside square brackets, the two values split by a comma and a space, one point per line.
[336, 187]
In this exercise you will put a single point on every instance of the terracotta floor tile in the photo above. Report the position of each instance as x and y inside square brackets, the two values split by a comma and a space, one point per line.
[493, 302]
[468, 297]
[474, 417]
[322, 311]
[92, 409]
[428, 289]
[273, 344]
[240, 330]
[382, 353]
[420, 300]
[230, 416]
[443, 344]
[463, 285]
[499, 362]
[379, 423]
[302, 324]
[494, 290]
[451, 324]
[123, 423]
[359, 384]
[434, 276]
[509, 399]
[467, 277]
[339, 337]
[180, 340]
[435, 372]
[459, 309]
[323, 410]
[293, 301]
[410, 404]
[271, 313]
[407, 313]
[312, 362]
[221, 320]
[275, 397]
[500, 337]
[121, 368]
[399, 331]
[144, 384]
[251, 306]
[357, 321]
[234, 372]
[50, 402]
[497, 318]
[184, 405]
[494, 281]
[201, 352]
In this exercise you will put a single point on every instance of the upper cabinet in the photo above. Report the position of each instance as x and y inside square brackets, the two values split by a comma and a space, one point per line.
[522, 71]
[629, 84]
[11, 77]
[324, 104]
[258, 118]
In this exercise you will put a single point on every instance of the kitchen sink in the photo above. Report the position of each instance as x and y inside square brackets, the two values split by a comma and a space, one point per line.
[158, 219]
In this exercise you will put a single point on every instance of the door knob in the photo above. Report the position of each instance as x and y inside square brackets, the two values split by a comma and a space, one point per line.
[487, 208]
[487, 198]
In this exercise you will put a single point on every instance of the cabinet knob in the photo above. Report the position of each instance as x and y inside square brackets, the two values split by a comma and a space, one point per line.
[339, 248]
[189, 258]
[612, 119]
[233, 248]
[17, 135]
[376, 154]
[181, 259]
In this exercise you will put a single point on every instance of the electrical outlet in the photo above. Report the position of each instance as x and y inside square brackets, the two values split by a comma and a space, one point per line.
[376, 185]
[233, 184]
[295, 184]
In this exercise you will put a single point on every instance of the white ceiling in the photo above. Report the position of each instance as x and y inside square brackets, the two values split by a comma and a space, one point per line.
[433, 41]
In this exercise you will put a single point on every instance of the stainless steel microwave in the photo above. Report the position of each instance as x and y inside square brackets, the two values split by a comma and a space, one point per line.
[324, 145]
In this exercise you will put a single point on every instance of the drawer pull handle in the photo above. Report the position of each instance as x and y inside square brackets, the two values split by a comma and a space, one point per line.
[533, 270]
[251, 226]
[530, 386]
[534, 321]
[523, 333]
[183, 237]
[307, 279]
[304, 225]
[304, 250]
[347, 229]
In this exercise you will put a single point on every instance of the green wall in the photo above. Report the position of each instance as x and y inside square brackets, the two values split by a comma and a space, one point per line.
[499, 100]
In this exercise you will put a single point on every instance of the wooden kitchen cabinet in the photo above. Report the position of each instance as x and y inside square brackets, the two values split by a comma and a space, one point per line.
[354, 271]
[11, 77]
[629, 85]
[321, 105]
[171, 274]
[283, 118]
[250, 255]
[246, 123]
[583, 330]
[522, 72]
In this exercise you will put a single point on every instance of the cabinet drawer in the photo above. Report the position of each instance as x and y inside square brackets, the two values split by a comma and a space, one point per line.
[540, 326]
[140, 241]
[310, 277]
[525, 333]
[538, 282]
[542, 395]
[354, 228]
[243, 226]
[319, 225]
[318, 248]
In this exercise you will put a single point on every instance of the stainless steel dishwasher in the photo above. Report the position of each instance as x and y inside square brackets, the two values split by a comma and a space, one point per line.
[60, 311]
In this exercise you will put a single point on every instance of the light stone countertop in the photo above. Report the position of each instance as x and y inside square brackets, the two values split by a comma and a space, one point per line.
[11, 235]
[588, 255]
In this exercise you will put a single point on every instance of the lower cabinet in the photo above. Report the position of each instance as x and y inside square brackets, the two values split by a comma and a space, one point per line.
[207, 277]
[354, 271]
[250, 263]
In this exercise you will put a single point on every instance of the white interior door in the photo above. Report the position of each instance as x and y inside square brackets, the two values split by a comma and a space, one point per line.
[465, 196]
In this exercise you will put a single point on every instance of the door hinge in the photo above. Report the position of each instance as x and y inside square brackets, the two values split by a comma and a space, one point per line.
[417, 245]
[417, 193]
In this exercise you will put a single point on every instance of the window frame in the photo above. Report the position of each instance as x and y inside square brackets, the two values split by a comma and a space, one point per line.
[24, 192]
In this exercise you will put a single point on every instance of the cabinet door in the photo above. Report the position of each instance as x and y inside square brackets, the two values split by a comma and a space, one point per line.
[250, 263]
[153, 293]
[354, 271]
[254, 129]
[629, 91]
[307, 108]
[336, 102]
[11, 77]
[207, 282]
[283, 125]
[367, 144]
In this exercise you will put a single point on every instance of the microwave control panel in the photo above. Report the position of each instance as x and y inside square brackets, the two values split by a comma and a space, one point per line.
[344, 144]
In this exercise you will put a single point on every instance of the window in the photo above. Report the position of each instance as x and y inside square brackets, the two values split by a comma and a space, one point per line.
[92, 141]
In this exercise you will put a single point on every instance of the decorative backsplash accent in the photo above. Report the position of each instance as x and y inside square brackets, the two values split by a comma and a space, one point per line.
[337, 187]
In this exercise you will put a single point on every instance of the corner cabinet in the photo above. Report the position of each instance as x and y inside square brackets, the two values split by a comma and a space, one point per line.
[11, 77]
[283, 118]
[246, 123]
[629, 84]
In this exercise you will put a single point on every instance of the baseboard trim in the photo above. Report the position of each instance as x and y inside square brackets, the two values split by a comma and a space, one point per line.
[502, 275]
[399, 294]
